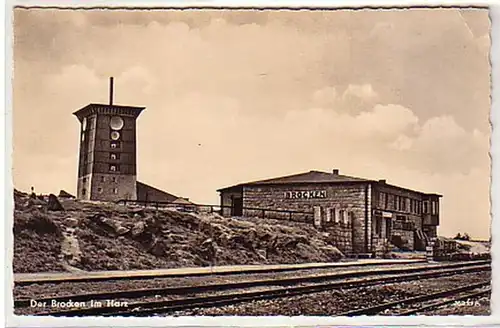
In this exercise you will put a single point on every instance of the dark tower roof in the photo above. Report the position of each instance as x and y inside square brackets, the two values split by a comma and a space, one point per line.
[108, 109]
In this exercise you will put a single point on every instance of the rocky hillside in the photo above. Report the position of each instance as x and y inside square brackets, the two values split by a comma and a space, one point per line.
[106, 236]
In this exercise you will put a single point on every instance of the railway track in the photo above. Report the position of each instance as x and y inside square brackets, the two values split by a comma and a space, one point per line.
[25, 279]
[344, 280]
[180, 290]
[434, 305]
[398, 307]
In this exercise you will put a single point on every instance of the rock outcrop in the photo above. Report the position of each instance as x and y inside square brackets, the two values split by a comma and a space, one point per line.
[107, 236]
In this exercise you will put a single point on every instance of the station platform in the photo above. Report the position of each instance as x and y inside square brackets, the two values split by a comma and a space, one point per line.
[83, 276]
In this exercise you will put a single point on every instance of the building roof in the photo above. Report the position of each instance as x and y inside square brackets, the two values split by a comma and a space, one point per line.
[306, 177]
[313, 177]
[168, 196]
[93, 108]
[184, 201]
[145, 187]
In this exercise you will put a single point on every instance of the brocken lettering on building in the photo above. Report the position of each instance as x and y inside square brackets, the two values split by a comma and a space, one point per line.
[306, 194]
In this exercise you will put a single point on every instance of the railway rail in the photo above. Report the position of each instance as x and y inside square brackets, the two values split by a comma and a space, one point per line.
[28, 279]
[344, 280]
[179, 290]
[424, 308]
[377, 309]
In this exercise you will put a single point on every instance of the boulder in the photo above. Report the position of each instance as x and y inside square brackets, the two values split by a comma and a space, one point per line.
[138, 213]
[138, 229]
[121, 230]
[34, 202]
[54, 204]
[208, 249]
[158, 248]
[71, 222]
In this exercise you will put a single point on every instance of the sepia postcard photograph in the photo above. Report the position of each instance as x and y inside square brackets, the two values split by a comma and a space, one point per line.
[217, 162]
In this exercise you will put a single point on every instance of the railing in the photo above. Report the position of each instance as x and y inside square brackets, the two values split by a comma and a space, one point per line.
[260, 212]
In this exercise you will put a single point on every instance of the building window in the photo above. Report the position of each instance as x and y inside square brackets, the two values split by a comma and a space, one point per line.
[433, 207]
[115, 144]
[382, 200]
[99, 190]
[114, 156]
[113, 179]
[103, 179]
[115, 190]
[386, 205]
[346, 217]
[396, 205]
[402, 204]
[84, 191]
[426, 207]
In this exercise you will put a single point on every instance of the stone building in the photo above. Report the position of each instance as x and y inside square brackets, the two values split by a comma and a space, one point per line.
[362, 213]
[107, 164]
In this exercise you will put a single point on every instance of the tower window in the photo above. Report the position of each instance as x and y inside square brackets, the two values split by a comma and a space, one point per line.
[114, 156]
[115, 190]
[99, 190]
[84, 191]
[115, 144]
[84, 180]
[114, 168]
[103, 179]
[113, 179]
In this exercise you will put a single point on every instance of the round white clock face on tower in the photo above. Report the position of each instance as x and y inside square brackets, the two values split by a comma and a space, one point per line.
[116, 123]
[84, 124]
[115, 135]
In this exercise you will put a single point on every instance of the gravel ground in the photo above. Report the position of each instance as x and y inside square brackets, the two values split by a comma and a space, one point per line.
[476, 304]
[70, 288]
[329, 302]
[480, 306]
[337, 301]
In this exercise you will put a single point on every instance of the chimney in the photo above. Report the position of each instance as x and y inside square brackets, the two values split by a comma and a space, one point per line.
[382, 181]
[111, 91]
[335, 171]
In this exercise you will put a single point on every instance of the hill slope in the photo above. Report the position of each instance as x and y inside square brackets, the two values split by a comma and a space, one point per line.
[106, 236]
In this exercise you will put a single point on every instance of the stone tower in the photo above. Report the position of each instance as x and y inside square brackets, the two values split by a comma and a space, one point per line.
[107, 160]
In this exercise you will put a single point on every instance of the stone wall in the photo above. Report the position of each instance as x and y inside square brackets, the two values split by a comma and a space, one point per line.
[341, 235]
[113, 187]
[348, 197]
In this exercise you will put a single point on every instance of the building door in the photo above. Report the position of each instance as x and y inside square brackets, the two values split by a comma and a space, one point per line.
[388, 228]
[237, 206]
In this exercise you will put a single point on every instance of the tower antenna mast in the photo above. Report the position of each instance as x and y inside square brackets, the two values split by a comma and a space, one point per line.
[111, 87]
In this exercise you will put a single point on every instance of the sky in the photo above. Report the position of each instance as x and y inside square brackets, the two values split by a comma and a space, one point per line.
[234, 96]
